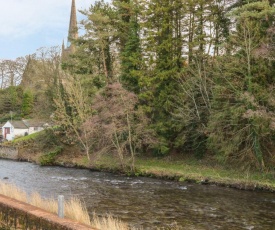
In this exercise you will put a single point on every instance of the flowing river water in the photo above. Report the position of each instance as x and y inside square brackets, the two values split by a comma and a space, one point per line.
[146, 202]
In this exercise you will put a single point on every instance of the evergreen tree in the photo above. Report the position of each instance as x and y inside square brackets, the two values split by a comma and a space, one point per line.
[27, 103]
[100, 35]
[131, 55]
[240, 124]
[162, 48]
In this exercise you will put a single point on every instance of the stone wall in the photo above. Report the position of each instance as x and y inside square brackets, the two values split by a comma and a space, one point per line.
[8, 152]
[18, 215]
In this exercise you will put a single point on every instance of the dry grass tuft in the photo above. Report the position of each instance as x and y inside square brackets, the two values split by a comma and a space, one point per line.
[12, 191]
[109, 223]
[49, 205]
[74, 208]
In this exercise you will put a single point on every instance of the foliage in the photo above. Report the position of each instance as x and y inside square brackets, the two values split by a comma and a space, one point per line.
[192, 108]
[124, 126]
[39, 80]
[163, 76]
[11, 72]
[98, 41]
[10, 100]
[34, 77]
[27, 103]
[49, 158]
[128, 26]
[201, 73]
[72, 110]
[241, 123]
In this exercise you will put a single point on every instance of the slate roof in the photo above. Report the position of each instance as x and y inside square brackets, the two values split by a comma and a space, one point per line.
[25, 124]
[18, 124]
[34, 123]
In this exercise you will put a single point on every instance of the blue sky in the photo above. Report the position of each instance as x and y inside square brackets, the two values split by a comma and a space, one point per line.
[27, 25]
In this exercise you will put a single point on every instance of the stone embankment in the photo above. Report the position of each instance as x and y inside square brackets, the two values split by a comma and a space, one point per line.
[8, 152]
[18, 215]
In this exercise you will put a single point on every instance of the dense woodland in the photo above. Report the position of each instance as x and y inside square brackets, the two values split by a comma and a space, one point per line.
[193, 77]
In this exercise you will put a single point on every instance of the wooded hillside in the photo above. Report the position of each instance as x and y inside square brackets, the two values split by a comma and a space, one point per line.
[176, 76]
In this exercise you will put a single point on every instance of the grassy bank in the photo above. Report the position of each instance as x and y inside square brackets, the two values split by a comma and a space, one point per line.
[43, 149]
[192, 170]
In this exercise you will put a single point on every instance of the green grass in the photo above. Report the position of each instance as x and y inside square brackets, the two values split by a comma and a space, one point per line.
[29, 137]
[196, 171]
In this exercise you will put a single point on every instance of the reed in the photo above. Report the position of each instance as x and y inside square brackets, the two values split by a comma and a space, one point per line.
[12, 191]
[49, 204]
[109, 223]
[74, 208]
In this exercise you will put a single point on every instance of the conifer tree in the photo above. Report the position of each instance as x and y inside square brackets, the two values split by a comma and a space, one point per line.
[162, 50]
[99, 37]
[27, 103]
[130, 44]
[242, 116]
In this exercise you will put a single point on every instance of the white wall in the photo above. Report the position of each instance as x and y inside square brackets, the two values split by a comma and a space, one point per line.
[20, 132]
[9, 137]
[35, 129]
[13, 132]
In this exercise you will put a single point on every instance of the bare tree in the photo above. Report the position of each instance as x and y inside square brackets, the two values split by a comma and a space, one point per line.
[118, 125]
[11, 72]
[72, 110]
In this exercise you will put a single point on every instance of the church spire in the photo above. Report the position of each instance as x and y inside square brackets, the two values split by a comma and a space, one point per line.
[72, 34]
[63, 46]
[73, 31]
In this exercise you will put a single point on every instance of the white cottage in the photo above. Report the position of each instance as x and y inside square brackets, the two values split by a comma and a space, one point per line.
[13, 129]
[34, 126]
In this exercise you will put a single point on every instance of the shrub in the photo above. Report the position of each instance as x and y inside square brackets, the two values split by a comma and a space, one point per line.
[49, 158]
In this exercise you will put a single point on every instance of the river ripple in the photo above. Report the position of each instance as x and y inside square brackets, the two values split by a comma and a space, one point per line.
[147, 202]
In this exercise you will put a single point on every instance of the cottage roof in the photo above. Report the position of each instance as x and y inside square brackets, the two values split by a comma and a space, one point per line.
[25, 124]
[33, 123]
[18, 124]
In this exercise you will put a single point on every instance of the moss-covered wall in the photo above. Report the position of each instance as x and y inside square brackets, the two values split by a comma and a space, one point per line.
[18, 215]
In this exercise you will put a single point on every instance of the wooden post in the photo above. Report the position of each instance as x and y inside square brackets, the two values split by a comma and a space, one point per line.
[61, 206]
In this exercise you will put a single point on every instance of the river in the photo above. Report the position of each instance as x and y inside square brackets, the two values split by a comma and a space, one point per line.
[148, 202]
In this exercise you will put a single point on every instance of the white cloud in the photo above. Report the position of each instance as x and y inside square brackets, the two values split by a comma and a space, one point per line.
[21, 18]
[27, 25]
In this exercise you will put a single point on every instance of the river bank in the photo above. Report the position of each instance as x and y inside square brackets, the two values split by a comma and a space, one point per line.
[178, 169]
[41, 150]
[194, 171]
